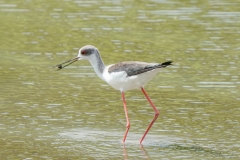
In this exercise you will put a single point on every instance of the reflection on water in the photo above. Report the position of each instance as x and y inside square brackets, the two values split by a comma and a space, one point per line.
[132, 148]
[72, 114]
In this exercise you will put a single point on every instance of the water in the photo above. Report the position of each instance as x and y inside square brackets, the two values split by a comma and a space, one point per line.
[72, 114]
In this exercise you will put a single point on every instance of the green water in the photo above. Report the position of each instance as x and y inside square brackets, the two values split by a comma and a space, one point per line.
[72, 114]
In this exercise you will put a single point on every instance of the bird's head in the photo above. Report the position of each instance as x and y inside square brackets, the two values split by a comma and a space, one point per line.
[86, 52]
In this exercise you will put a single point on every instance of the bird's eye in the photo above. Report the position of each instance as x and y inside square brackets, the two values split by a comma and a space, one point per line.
[83, 52]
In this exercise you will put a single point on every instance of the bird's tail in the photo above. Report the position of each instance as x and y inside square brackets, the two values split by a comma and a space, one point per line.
[165, 64]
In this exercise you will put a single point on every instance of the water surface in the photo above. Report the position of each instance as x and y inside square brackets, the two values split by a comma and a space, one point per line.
[72, 114]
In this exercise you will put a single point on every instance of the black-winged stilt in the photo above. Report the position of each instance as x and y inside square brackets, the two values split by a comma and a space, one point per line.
[122, 76]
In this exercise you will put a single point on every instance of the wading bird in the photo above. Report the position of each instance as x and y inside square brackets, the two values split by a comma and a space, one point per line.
[122, 76]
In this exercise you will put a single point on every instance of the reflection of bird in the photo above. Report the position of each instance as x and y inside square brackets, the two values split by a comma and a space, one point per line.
[121, 76]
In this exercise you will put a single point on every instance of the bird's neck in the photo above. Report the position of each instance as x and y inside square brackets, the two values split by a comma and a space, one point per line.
[98, 65]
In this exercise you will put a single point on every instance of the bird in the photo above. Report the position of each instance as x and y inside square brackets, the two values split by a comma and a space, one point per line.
[121, 76]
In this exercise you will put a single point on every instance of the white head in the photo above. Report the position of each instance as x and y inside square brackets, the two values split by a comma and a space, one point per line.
[87, 52]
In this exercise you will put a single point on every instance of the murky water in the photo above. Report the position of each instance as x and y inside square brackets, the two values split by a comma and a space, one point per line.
[72, 114]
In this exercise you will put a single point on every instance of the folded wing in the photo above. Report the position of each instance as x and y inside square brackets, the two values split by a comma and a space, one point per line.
[135, 68]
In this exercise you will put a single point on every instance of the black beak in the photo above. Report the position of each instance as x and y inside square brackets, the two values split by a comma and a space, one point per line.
[60, 66]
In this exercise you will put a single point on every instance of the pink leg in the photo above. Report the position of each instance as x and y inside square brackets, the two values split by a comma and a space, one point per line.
[126, 114]
[155, 117]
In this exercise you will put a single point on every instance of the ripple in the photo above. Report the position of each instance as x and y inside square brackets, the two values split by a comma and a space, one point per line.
[14, 10]
[217, 84]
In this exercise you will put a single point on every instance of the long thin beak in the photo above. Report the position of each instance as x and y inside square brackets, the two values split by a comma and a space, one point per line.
[60, 66]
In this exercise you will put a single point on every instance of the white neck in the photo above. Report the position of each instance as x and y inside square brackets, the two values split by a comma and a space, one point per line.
[98, 65]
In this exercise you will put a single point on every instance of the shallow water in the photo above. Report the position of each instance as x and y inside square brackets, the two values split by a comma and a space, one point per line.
[72, 114]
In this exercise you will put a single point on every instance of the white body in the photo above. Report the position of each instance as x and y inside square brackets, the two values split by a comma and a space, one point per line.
[121, 81]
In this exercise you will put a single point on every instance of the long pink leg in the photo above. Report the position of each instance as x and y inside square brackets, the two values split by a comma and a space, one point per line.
[155, 117]
[126, 114]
